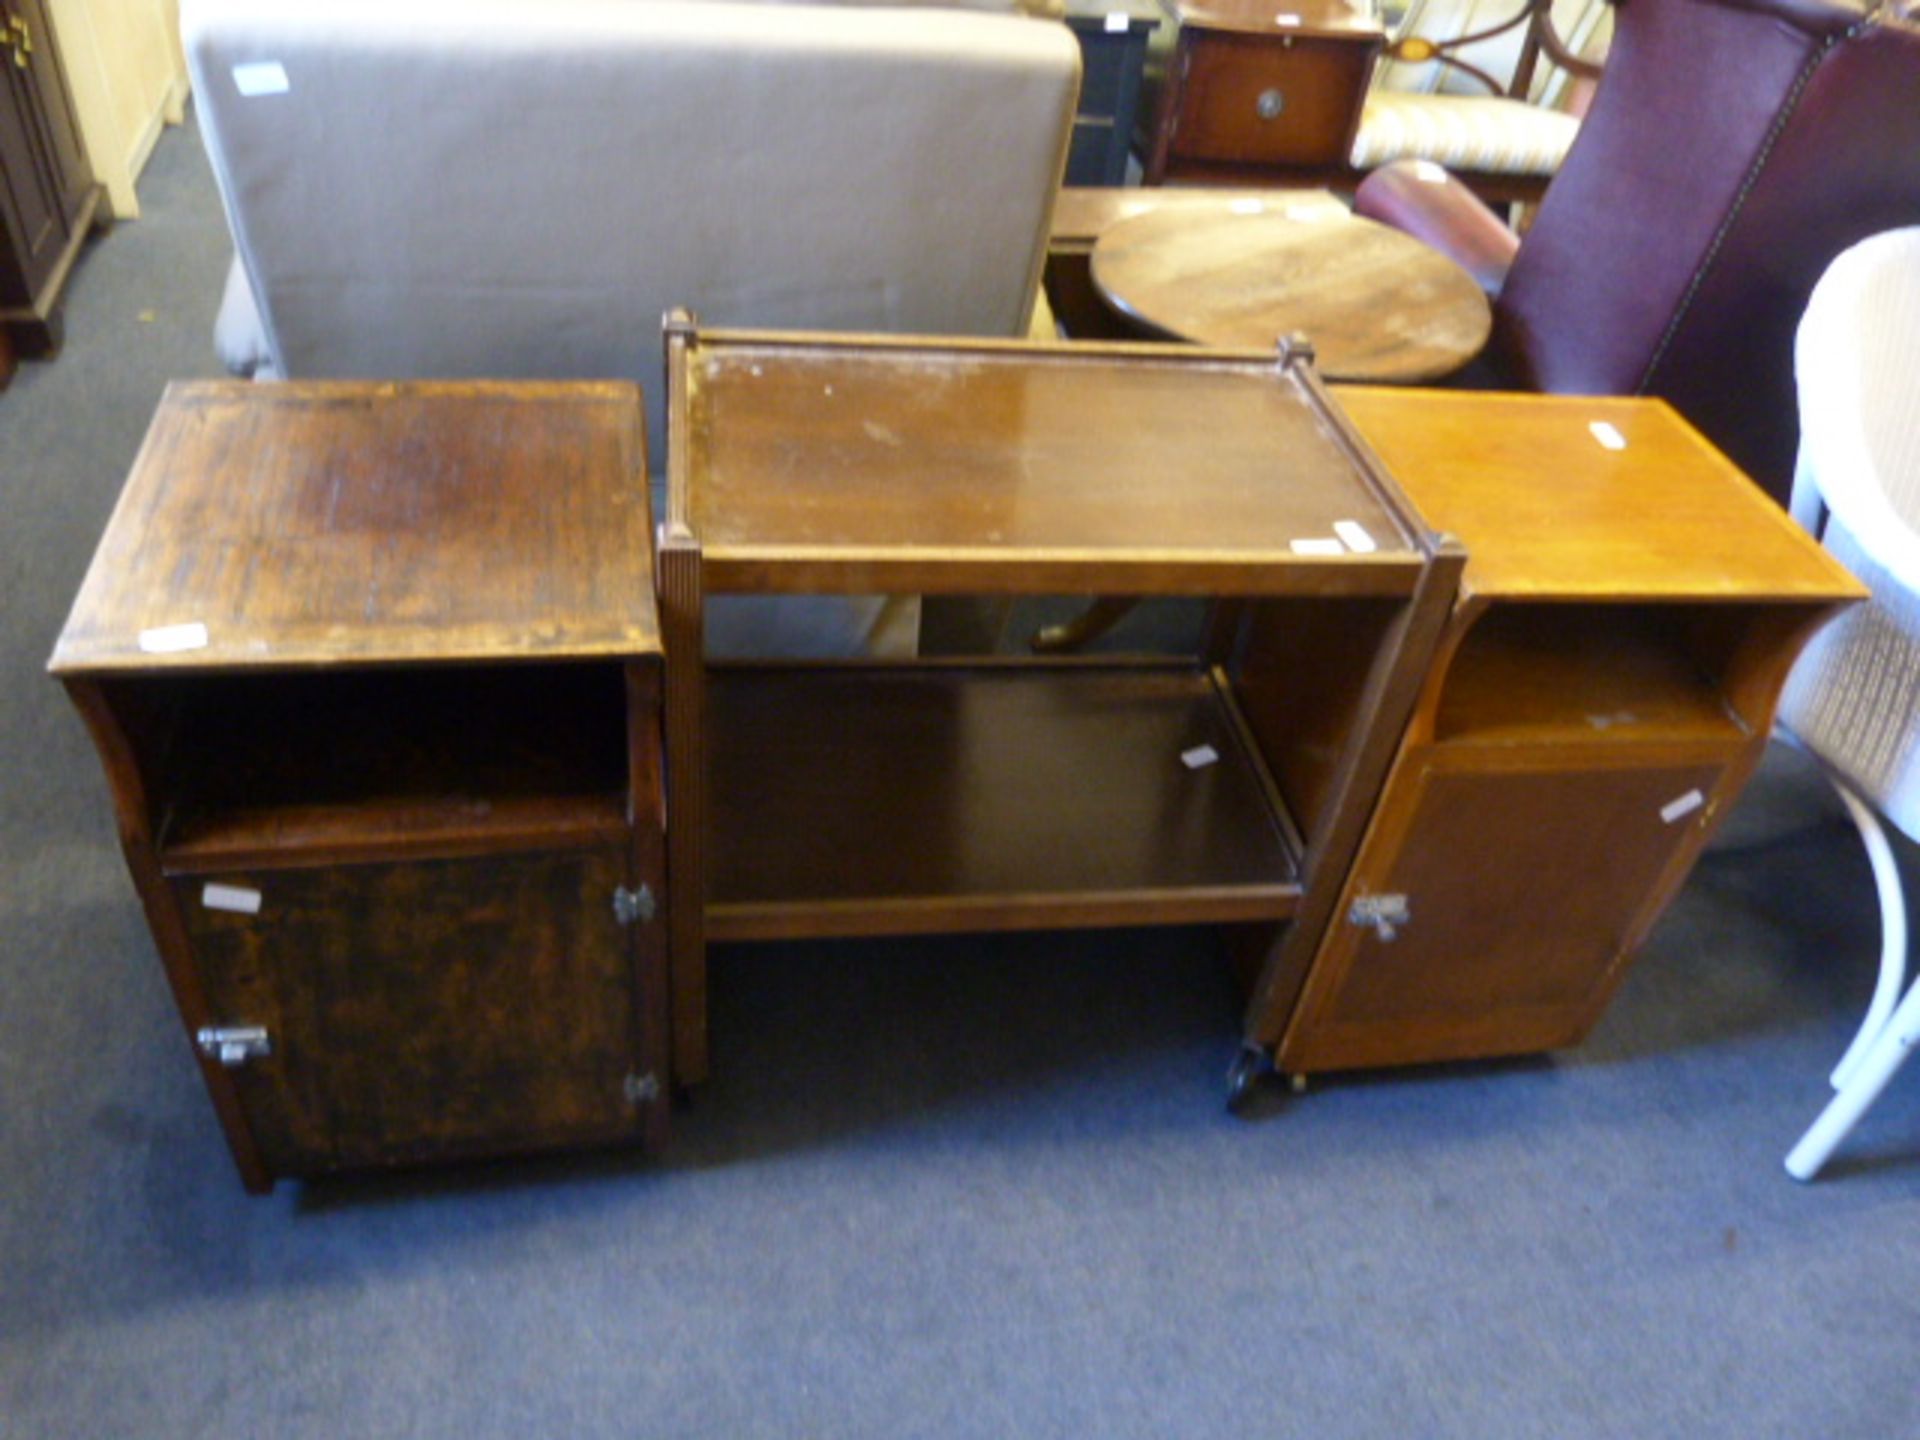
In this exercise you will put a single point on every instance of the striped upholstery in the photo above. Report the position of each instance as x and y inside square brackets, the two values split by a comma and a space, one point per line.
[1430, 111]
[1488, 135]
[1855, 696]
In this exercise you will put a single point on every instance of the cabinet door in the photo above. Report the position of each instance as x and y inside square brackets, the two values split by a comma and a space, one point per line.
[1526, 890]
[1249, 100]
[66, 158]
[426, 1009]
[32, 231]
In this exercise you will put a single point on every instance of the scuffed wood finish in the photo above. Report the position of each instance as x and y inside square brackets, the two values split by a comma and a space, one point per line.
[852, 466]
[1604, 689]
[1375, 304]
[345, 522]
[423, 728]
[425, 1010]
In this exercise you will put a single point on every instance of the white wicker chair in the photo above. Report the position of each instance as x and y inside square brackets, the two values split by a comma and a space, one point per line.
[1854, 699]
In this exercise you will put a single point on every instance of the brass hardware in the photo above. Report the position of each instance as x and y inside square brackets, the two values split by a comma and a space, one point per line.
[1270, 104]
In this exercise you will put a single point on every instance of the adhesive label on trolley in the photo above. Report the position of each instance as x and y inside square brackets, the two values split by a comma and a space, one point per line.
[1681, 808]
[1319, 545]
[240, 899]
[1355, 535]
[1199, 757]
[1117, 22]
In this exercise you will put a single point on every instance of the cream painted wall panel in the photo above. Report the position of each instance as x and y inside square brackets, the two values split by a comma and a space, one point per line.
[128, 78]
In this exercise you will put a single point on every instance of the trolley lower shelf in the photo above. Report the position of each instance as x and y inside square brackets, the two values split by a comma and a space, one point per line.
[869, 799]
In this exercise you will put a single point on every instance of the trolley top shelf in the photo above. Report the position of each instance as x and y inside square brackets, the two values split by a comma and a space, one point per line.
[819, 463]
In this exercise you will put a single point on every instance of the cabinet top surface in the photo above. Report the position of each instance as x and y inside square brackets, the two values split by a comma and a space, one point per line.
[345, 522]
[1082, 212]
[1167, 468]
[1280, 17]
[1574, 497]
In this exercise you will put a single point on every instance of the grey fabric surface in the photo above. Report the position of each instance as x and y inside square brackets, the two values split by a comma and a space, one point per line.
[456, 187]
[950, 1187]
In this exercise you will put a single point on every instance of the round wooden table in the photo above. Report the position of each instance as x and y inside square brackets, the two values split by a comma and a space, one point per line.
[1375, 304]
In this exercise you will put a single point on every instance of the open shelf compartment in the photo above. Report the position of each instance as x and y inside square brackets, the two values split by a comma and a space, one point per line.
[892, 799]
[1560, 673]
[318, 767]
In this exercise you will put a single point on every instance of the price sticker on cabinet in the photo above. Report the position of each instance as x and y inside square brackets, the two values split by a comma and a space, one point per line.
[172, 639]
[1681, 808]
[240, 899]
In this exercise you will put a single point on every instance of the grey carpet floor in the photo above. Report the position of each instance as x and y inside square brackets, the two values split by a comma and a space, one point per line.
[959, 1188]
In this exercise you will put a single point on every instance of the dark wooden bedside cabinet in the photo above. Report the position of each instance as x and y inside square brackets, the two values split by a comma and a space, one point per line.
[1252, 90]
[375, 671]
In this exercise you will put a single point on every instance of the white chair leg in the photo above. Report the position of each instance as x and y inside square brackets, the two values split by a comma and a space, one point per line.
[1863, 1087]
[1892, 1026]
[1804, 501]
[1893, 932]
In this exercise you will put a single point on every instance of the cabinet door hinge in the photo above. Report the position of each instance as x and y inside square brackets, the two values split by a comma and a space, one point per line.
[234, 1045]
[1385, 914]
[632, 905]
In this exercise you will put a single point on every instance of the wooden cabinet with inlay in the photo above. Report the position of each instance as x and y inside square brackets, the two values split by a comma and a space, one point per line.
[375, 674]
[1260, 91]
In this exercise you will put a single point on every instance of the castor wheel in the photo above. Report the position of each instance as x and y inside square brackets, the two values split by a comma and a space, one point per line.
[1297, 1083]
[1247, 1068]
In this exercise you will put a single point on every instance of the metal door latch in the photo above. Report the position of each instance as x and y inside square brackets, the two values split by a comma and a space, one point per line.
[632, 905]
[234, 1045]
[641, 1089]
[1385, 913]
[1269, 104]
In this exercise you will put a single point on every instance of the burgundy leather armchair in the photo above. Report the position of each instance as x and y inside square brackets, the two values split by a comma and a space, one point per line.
[1733, 149]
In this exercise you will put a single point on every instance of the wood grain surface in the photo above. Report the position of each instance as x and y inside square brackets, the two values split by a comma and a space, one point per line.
[343, 522]
[1549, 510]
[860, 466]
[1375, 304]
